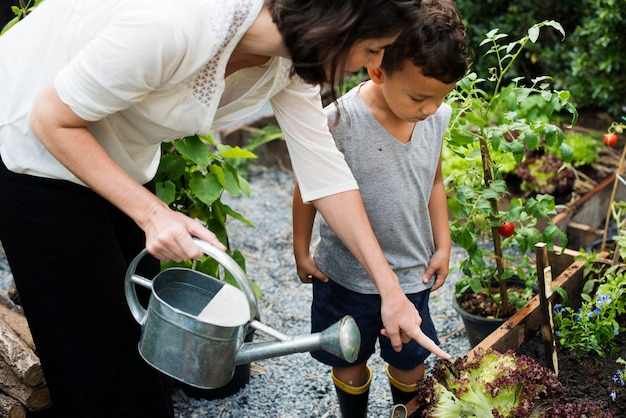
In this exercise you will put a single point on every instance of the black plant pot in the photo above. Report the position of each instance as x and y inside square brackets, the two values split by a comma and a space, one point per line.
[240, 379]
[477, 327]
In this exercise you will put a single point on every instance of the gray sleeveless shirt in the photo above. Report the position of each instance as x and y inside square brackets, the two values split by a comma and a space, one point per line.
[395, 181]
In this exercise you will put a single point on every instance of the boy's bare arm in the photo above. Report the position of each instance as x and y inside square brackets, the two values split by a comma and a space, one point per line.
[439, 263]
[303, 217]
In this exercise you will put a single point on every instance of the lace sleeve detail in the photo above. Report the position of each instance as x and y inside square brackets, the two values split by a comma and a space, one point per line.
[227, 23]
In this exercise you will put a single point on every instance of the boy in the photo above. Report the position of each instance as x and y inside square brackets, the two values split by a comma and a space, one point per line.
[390, 130]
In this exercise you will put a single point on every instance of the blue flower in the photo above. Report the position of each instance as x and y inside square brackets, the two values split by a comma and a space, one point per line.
[603, 299]
[557, 308]
[613, 395]
[593, 313]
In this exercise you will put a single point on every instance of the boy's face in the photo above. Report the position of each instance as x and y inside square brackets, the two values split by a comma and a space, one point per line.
[410, 95]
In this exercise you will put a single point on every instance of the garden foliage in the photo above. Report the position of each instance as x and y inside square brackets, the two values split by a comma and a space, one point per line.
[590, 63]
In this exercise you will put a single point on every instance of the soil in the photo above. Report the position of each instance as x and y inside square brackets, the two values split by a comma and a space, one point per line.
[589, 378]
[481, 304]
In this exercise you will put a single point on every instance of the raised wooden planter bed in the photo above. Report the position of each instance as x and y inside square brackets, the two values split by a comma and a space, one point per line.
[583, 222]
[584, 219]
[567, 273]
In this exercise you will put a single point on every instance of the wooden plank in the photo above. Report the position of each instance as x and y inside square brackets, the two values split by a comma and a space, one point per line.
[561, 258]
[544, 278]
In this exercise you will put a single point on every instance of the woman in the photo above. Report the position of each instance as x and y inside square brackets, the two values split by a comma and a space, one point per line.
[90, 90]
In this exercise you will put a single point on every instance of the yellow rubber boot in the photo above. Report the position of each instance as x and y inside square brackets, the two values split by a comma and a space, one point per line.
[401, 392]
[353, 399]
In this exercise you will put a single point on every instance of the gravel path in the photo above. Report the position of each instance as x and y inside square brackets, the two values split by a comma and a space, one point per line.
[295, 385]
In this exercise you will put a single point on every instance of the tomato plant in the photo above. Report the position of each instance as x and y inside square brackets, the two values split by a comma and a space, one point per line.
[610, 139]
[486, 121]
[507, 229]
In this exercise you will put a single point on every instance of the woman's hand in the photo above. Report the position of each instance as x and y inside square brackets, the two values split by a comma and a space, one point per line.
[169, 235]
[402, 323]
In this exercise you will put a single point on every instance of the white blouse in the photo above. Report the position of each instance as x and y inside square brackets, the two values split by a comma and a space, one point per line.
[148, 71]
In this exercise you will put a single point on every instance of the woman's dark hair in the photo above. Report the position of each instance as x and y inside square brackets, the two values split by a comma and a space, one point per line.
[437, 43]
[317, 32]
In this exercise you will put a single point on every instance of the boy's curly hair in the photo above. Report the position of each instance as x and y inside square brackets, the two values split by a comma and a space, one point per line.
[437, 43]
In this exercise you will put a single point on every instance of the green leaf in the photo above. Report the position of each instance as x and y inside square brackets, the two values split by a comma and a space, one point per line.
[567, 152]
[517, 148]
[476, 120]
[561, 292]
[551, 134]
[172, 166]
[531, 139]
[207, 188]
[194, 149]
[231, 180]
[218, 172]
[166, 191]
[234, 152]
[462, 137]
[229, 211]
[208, 139]
[556, 25]
[533, 33]
[244, 186]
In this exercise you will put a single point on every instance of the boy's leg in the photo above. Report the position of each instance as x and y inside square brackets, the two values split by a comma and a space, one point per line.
[331, 302]
[352, 389]
[403, 383]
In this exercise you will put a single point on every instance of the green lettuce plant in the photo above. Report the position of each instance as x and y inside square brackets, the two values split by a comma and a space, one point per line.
[492, 384]
[490, 127]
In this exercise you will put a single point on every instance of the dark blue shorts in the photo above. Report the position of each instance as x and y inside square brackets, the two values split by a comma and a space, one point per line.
[331, 302]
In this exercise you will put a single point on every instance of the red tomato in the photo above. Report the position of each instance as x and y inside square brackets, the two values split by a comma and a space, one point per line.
[507, 229]
[610, 140]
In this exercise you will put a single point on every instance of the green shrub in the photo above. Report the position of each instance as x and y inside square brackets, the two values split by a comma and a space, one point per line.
[590, 63]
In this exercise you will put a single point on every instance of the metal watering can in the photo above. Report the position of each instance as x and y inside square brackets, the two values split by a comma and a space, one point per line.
[194, 327]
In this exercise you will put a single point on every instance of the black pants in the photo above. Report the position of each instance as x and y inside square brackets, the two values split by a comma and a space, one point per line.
[68, 250]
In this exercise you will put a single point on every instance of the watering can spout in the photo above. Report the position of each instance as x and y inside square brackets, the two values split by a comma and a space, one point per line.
[342, 339]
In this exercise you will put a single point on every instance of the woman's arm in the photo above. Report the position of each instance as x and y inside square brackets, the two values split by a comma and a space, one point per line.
[66, 137]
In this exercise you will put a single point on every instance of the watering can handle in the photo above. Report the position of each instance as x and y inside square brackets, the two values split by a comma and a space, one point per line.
[139, 312]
